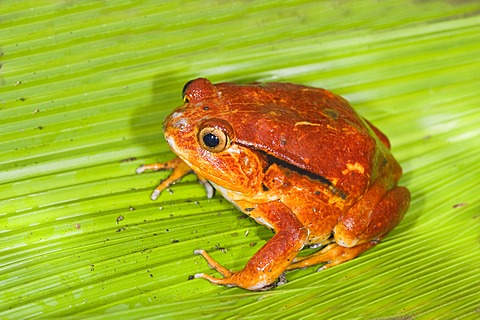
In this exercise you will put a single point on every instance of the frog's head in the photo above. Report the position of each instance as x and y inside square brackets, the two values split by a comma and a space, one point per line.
[197, 133]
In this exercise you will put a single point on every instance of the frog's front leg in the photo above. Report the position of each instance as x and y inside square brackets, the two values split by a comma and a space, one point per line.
[273, 258]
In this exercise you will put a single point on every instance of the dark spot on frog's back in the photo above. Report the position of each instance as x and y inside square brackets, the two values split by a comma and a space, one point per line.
[283, 140]
[384, 162]
[338, 192]
[331, 113]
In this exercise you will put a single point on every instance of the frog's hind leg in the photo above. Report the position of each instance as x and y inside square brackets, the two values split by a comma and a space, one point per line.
[370, 218]
[361, 228]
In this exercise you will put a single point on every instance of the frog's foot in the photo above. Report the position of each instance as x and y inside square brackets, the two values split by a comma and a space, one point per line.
[268, 263]
[331, 255]
[231, 278]
[180, 169]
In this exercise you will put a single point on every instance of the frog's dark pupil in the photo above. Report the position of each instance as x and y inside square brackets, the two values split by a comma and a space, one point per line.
[211, 140]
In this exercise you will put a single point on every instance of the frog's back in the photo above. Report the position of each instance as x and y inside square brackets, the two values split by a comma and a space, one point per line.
[310, 128]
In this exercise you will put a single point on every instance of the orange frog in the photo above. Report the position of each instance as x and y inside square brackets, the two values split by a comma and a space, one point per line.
[298, 160]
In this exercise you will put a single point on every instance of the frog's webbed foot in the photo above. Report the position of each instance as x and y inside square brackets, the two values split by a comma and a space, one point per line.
[180, 169]
[332, 255]
[231, 278]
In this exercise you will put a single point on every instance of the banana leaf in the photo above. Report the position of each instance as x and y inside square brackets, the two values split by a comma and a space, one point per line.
[84, 89]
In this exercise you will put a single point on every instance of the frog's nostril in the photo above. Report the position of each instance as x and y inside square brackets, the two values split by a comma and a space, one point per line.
[180, 124]
[175, 115]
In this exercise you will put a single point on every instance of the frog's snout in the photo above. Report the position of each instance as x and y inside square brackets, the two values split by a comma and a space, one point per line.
[175, 120]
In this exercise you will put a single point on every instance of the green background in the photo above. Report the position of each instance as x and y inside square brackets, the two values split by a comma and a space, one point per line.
[85, 86]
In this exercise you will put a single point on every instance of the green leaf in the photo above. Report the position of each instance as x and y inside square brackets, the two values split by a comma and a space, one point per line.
[85, 86]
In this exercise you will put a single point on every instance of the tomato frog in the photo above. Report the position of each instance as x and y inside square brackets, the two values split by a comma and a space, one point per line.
[298, 160]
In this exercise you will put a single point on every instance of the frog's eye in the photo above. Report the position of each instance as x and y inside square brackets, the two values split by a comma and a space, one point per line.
[213, 139]
[184, 91]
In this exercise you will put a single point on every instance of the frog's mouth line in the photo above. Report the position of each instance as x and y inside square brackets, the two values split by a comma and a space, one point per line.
[273, 160]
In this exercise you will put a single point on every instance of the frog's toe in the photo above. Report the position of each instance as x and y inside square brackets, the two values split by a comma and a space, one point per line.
[207, 185]
[200, 276]
[236, 280]
[213, 264]
[218, 281]
[207, 277]
[155, 194]
[140, 169]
